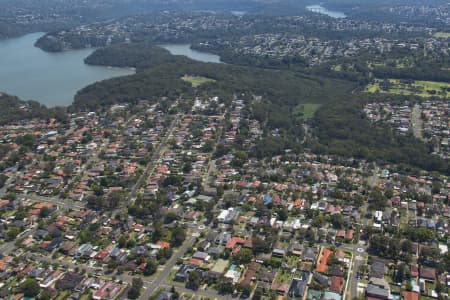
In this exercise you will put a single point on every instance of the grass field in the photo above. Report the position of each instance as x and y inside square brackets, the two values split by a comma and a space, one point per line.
[442, 35]
[337, 68]
[197, 80]
[220, 266]
[418, 88]
[305, 111]
[396, 63]
[283, 276]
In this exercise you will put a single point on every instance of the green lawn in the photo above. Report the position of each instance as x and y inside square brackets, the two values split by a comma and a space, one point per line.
[442, 35]
[63, 295]
[87, 295]
[426, 298]
[419, 88]
[220, 266]
[305, 111]
[170, 280]
[197, 80]
[282, 276]
[396, 63]
[337, 68]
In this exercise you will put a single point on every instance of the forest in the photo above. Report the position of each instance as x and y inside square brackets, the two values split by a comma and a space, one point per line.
[339, 124]
[343, 130]
[140, 56]
[282, 87]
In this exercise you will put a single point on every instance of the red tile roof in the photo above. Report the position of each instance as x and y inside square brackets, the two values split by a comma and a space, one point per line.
[322, 260]
[410, 295]
[414, 270]
[233, 242]
[336, 284]
[163, 244]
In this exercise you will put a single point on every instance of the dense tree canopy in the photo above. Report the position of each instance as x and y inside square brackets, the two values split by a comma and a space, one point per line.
[140, 56]
[14, 109]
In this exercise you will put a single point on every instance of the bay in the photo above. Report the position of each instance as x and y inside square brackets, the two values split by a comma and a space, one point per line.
[49, 78]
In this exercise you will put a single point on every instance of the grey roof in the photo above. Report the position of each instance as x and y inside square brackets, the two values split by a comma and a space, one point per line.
[200, 255]
[377, 269]
[331, 296]
[164, 296]
[298, 288]
[380, 282]
[309, 254]
[373, 290]
[321, 279]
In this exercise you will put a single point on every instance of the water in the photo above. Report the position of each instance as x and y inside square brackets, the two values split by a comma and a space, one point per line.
[322, 10]
[50, 78]
[185, 49]
[238, 13]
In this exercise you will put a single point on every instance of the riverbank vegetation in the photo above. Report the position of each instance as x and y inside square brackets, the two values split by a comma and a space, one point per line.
[13, 110]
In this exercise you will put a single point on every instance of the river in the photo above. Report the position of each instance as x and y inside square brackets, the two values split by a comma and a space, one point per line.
[322, 10]
[185, 49]
[50, 78]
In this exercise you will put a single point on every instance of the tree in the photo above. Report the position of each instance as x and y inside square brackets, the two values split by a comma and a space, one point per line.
[175, 294]
[131, 243]
[93, 201]
[158, 232]
[407, 246]
[246, 290]
[115, 197]
[3, 179]
[240, 158]
[45, 212]
[243, 257]
[178, 236]
[45, 295]
[282, 214]
[225, 286]
[318, 221]
[97, 189]
[377, 199]
[337, 220]
[164, 253]
[379, 243]
[122, 241]
[12, 233]
[194, 280]
[150, 268]
[170, 217]
[446, 261]
[408, 286]
[402, 273]
[171, 180]
[259, 245]
[440, 288]
[30, 287]
[424, 235]
[85, 236]
[135, 290]
[20, 214]
[429, 256]
[208, 146]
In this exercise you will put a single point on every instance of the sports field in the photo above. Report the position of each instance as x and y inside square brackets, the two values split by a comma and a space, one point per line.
[419, 88]
[197, 81]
